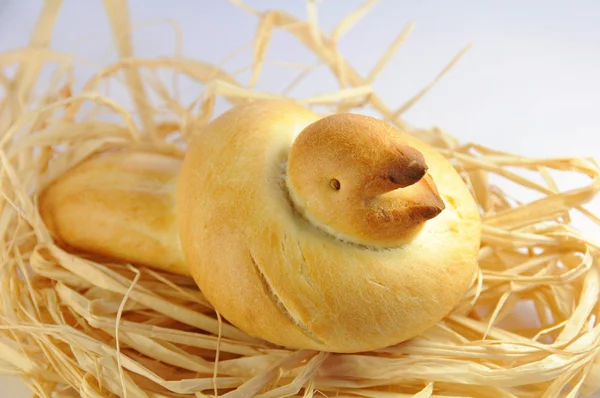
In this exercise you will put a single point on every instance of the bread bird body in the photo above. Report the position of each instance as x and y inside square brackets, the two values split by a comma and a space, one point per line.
[339, 234]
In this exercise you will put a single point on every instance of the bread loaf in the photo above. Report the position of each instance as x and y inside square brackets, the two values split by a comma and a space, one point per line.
[340, 233]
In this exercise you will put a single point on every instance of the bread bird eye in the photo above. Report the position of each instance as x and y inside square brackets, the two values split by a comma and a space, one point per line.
[335, 184]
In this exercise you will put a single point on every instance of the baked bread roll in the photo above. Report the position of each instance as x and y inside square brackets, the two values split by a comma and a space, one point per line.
[339, 234]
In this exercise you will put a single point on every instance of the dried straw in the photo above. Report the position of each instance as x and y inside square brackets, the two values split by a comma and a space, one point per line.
[74, 325]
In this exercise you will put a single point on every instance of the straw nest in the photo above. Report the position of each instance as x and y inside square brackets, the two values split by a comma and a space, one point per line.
[75, 325]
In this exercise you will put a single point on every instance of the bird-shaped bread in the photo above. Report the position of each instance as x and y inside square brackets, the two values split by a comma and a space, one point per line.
[336, 233]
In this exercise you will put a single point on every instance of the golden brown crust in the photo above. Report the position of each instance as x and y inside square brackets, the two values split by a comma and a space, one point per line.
[349, 174]
[119, 205]
[275, 275]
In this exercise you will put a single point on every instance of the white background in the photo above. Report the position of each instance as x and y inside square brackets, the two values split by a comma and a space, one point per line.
[530, 84]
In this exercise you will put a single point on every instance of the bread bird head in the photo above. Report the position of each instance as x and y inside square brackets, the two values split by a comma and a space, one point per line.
[356, 178]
